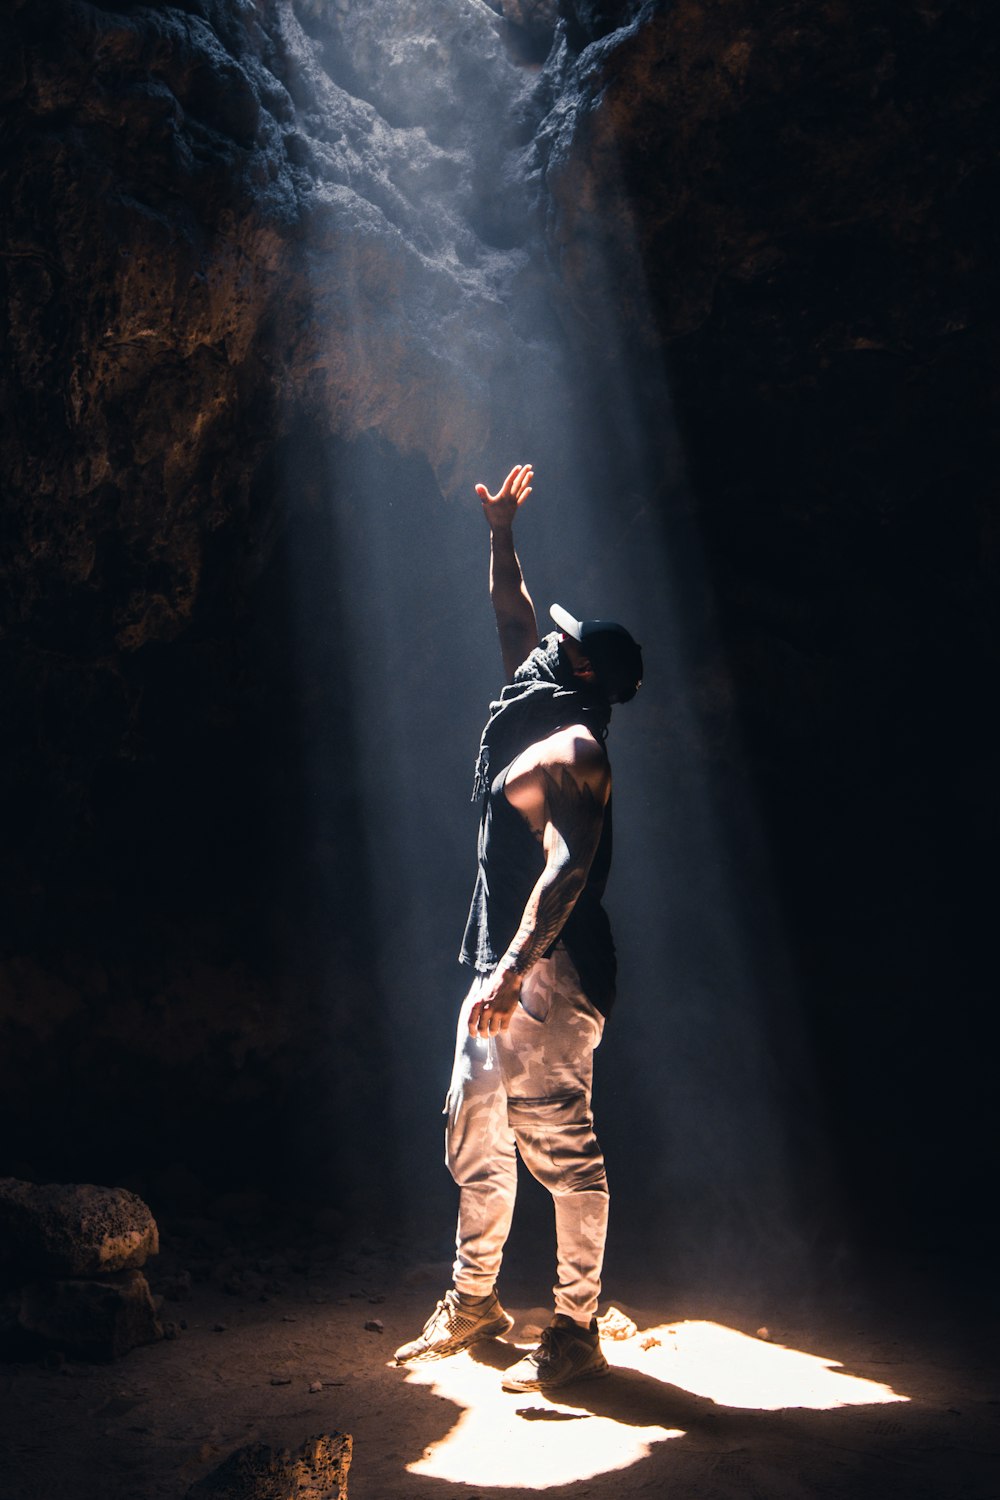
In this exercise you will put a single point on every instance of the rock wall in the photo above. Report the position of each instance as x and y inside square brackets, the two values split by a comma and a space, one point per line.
[800, 198]
[229, 241]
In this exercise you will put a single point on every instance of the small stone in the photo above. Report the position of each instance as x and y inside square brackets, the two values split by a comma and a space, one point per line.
[281, 1380]
[218, 1327]
[764, 1333]
[315, 1387]
[616, 1325]
[374, 1325]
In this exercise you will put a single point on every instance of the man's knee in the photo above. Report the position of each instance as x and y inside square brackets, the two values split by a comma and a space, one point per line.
[477, 1141]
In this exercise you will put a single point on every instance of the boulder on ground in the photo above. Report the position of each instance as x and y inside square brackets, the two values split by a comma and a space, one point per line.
[73, 1229]
[96, 1318]
[316, 1471]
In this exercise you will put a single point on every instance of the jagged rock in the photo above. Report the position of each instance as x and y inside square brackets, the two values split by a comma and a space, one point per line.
[73, 1229]
[536, 16]
[90, 1318]
[226, 229]
[316, 1471]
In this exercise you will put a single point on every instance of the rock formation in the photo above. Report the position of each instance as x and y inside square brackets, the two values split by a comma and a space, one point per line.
[229, 239]
[315, 1471]
[73, 1230]
[69, 1255]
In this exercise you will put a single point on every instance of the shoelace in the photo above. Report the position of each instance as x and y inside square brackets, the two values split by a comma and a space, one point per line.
[544, 1356]
[456, 1318]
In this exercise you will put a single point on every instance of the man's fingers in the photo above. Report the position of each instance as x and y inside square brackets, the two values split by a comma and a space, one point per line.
[517, 486]
[484, 1021]
[511, 477]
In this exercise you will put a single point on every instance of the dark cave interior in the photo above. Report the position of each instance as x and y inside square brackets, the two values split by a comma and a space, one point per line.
[275, 296]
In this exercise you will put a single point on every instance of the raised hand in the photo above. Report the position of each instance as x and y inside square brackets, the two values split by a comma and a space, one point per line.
[501, 508]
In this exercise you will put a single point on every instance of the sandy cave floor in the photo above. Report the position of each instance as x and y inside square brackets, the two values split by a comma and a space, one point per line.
[275, 1349]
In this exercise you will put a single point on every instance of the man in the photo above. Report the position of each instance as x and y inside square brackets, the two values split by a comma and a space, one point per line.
[539, 941]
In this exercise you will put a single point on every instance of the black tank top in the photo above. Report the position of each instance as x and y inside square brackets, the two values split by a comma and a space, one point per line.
[510, 862]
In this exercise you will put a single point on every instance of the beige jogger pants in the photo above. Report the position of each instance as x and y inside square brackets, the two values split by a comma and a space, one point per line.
[528, 1090]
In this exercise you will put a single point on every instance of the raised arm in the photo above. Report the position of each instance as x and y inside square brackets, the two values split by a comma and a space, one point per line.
[563, 801]
[515, 613]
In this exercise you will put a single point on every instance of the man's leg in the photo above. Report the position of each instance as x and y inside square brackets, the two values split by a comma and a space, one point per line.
[547, 1061]
[479, 1150]
[480, 1153]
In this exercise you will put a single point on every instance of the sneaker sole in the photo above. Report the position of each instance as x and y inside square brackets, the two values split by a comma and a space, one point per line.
[518, 1386]
[493, 1330]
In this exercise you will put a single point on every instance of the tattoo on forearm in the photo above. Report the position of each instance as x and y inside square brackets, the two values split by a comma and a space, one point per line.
[574, 818]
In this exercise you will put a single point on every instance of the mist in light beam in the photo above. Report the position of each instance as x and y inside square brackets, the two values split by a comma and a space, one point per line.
[703, 1094]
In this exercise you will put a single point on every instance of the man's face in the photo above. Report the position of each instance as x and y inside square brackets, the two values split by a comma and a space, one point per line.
[615, 669]
[583, 672]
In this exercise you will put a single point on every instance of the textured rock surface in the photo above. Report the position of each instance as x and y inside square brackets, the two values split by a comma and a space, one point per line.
[316, 1471]
[229, 239]
[89, 1318]
[538, 17]
[800, 203]
[73, 1229]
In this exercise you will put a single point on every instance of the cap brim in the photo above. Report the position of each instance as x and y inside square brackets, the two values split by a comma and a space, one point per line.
[565, 621]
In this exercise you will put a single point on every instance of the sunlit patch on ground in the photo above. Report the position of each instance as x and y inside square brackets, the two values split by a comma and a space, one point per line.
[527, 1440]
[537, 1442]
[733, 1369]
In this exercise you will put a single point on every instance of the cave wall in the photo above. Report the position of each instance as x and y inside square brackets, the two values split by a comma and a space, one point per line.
[253, 250]
[802, 200]
[229, 246]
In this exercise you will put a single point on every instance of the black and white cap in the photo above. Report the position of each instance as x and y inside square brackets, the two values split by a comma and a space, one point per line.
[615, 657]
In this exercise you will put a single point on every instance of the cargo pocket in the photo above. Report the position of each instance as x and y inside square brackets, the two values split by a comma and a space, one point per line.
[536, 1005]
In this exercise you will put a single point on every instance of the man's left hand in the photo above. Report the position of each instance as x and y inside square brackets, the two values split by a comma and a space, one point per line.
[493, 1010]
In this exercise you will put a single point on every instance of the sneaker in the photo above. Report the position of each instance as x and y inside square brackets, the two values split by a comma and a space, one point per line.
[453, 1326]
[567, 1352]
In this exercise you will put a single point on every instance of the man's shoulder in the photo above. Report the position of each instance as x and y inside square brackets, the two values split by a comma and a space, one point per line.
[573, 748]
[573, 744]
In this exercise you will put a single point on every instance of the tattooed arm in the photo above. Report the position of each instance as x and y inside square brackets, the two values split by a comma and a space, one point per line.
[515, 613]
[563, 801]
